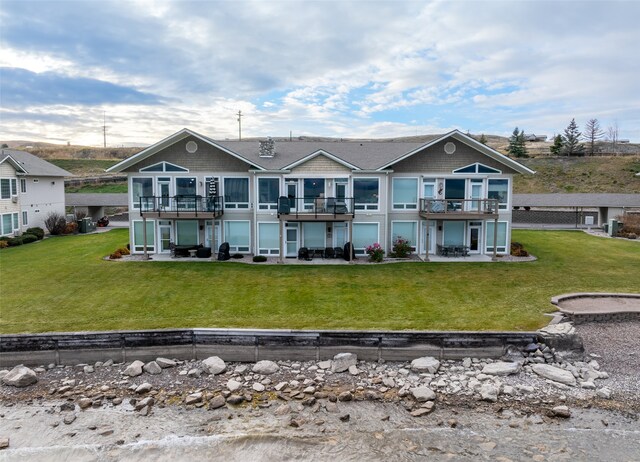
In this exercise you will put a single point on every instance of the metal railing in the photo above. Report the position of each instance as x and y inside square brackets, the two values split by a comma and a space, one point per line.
[316, 206]
[191, 204]
[453, 206]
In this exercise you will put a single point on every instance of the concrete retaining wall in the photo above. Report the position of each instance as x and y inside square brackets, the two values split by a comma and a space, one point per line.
[252, 345]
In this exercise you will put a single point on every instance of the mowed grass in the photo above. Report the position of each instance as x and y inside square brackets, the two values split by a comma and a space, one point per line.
[63, 284]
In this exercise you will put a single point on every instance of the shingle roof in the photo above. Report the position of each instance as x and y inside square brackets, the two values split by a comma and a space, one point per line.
[97, 199]
[33, 165]
[576, 200]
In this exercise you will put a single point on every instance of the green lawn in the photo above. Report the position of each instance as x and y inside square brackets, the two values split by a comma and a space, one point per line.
[62, 284]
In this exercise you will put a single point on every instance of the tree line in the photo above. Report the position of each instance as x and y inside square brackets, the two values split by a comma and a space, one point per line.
[572, 142]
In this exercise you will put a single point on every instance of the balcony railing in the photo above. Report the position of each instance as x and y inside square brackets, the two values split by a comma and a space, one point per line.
[316, 207]
[190, 205]
[459, 206]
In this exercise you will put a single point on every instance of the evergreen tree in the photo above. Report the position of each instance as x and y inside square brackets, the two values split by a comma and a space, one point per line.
[592, 133]
[516, 144]
[558, 144]
[483, 139]
[571, 139]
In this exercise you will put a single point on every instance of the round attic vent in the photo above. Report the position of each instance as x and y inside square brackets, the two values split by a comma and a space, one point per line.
[192, 147]
[449, 148]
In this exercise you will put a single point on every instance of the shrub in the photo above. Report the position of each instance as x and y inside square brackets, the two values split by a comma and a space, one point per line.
[15, 241]
[4, 244]
[517, 250]
[375, 252]
[630, 224]
[36, 231]
[401, 248]
[55, 223]
[71, 228]
[115, 255]
[123, 251]
[80, 214]
[259, 258]
[28, 238]
[237, 255]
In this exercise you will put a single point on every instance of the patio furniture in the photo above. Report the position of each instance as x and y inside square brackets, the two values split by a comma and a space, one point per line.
[223, 252]
[338, 252]
[349, 252]
[329, 252]
[203, 252]
[303, 254]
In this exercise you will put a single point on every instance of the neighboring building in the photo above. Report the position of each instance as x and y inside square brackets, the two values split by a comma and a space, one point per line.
[30, 189]
[272, 198]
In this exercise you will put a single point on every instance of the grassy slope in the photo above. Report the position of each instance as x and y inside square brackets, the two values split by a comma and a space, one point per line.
[62, 284]
[84, 167]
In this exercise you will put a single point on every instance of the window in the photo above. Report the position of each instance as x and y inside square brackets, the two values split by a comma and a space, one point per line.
[185, 186]
[313, 188]
[236, 193]
[364, 234]
[406, 230]
[476, 168]
[237, 234]
[429, 188]
[268, 238]
[138, 236]
[7, 225]
[16, 221]
[187, 232]
[405, 193]
[499, 189]
[25, 218]
[454, 189]
[141, 187]
[268, 192]
[365, 193]
[501, 238]
[23, 185]
[14, 187]
[314, 235]
[5, 188]
[453, 233]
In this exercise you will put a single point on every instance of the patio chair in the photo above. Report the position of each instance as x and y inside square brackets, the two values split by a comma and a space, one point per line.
[203, 252]
[172, 249]
[338, 252]
[303, 254]
[329, 253]
[331, 204]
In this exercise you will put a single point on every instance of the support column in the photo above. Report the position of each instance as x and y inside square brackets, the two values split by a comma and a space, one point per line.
[281, 227]
[426, 258]
[351, 242]
[495, 240]
[144, 237]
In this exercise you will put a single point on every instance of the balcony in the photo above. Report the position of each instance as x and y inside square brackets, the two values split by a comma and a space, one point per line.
[458, 209]
[184, 206]
[315, 209]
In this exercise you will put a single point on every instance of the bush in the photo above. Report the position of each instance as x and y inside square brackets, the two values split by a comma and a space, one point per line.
[15, 241]
[123, 251]
[55, 223]
[517, 250]
[115, 255]
[71, 228]
[401, 248]
[237, 255]
[28, 238]
[375, 252]
[259, 258]
[36, 231]
[4, 244]
[630, 224]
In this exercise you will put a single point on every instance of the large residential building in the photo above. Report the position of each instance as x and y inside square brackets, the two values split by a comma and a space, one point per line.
[274, 197]
[30, 189]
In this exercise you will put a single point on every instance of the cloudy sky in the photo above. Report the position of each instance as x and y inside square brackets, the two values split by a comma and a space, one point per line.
[327, 68]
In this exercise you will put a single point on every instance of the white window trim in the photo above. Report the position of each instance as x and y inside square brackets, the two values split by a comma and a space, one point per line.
[140, 248]
[237, 205]
[412, 206]
[267, 250]
[164, 168]
[23, 185]
[361, 206]
[499, 249]
[267, 205]
[25, 217]
[135, 204]
[414, 245]
[502, 205]
[235, 248]
[361, 250]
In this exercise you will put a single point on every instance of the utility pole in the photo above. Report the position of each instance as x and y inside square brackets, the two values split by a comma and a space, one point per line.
[239, 125]
[104, 127]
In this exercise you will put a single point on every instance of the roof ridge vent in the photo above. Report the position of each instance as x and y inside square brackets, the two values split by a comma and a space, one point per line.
[267, 148]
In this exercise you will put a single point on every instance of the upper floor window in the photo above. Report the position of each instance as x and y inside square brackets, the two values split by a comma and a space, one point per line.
[313, 189]
[8, 188]
[366, 193]
[405, 193]
[141, 187]
[236, 193]
[23, 185]
[476, 168]
[268, 192]
[429, 188]
[185, 186]
[499, 189]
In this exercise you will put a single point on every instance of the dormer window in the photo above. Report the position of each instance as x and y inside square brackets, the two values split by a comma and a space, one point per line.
[476, 168]
[164, 167]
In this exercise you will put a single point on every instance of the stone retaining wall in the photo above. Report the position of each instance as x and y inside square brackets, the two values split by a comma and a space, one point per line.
[252, 345]
[581, 318]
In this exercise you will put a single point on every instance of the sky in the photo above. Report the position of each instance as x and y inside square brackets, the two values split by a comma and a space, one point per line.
[352, 69]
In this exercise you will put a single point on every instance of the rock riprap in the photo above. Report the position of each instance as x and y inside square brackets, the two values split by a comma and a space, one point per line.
[554, 373]
[20, 376]
[425, 364]
[214, 365]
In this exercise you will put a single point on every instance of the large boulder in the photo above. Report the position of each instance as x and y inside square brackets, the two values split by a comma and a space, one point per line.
[165, 363]
[265, 367]
[214, 365]
[134, 369]
[501, 368]
[489, 392]
[152, 368]
[20, 376]
[425, 364]
[343, 361]
[554, 373]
